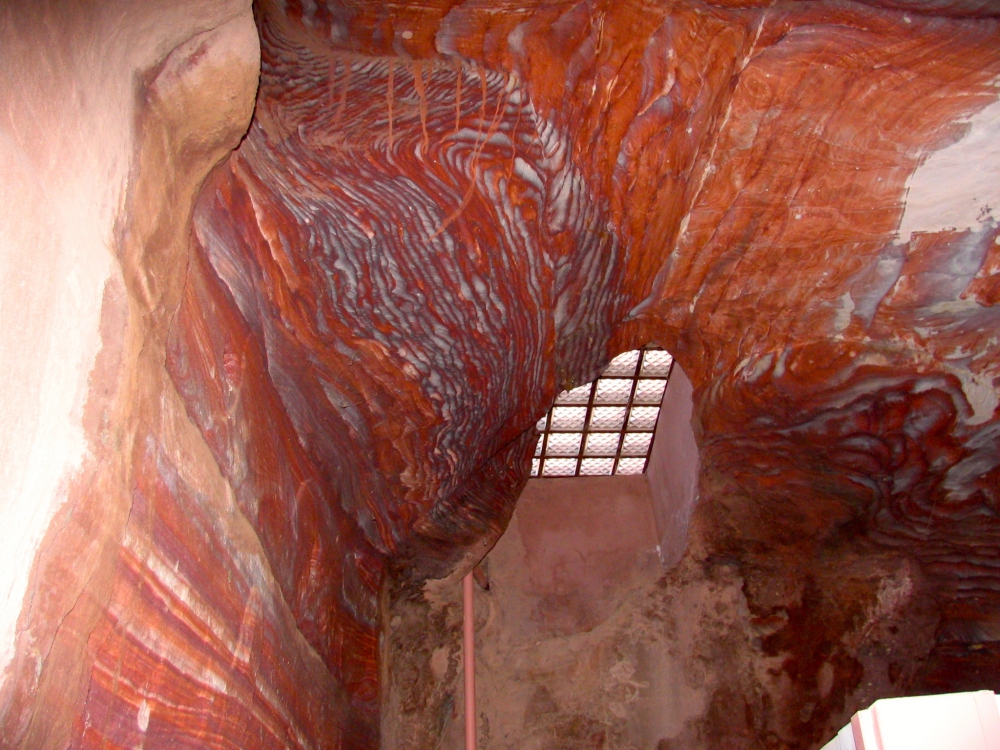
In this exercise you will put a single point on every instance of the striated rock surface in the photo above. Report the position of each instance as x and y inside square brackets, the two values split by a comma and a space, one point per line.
[143, 609]
[324, 355]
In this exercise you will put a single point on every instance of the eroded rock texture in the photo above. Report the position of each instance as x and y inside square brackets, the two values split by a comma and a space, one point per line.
[151, 617]
[443, 214]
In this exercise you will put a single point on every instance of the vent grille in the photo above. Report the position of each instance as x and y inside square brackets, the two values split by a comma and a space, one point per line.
[605, 427]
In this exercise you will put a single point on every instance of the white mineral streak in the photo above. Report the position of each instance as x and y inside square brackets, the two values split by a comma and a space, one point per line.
[958, 187]
[842, 316]
[980, 392]
[142, 720]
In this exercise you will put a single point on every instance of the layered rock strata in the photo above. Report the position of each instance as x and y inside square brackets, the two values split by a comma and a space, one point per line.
[324, 370]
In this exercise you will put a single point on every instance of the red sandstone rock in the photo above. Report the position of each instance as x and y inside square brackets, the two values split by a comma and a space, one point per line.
[443, 214]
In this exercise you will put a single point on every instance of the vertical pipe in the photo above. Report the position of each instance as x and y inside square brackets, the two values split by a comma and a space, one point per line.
[469, 660]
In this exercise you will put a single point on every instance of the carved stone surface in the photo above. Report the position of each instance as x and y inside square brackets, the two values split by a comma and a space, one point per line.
[443, 214]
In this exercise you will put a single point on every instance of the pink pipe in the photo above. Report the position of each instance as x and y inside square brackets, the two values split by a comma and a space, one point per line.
[469, 659]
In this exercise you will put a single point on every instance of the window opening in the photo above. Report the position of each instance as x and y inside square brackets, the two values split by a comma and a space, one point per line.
[605, 427]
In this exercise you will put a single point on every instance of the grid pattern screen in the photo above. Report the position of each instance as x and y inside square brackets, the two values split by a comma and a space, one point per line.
[605, 427]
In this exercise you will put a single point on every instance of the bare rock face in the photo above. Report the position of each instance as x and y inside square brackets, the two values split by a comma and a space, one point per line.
[143, 610]
[323, 356]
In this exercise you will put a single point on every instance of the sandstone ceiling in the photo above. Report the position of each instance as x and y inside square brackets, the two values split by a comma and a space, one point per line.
[445, 213]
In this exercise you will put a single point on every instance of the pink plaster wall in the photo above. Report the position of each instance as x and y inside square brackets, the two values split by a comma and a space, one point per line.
[673, 468]
[584, 540]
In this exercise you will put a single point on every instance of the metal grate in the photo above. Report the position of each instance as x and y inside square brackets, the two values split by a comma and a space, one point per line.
[605, 427]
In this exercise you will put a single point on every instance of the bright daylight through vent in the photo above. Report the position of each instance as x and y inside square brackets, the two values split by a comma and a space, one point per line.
[605, 427]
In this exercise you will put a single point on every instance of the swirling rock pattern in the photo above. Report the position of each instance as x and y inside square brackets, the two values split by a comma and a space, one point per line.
[443, 214]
